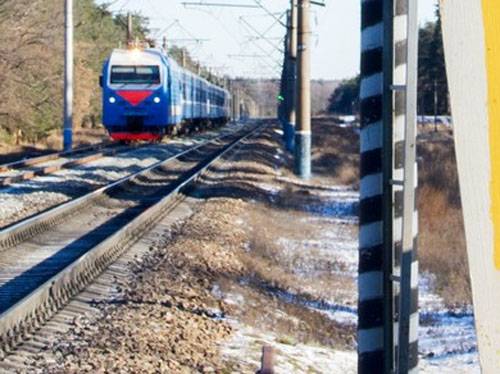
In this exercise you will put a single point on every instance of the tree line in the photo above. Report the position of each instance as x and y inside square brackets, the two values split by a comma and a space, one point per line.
[432, 81]
[31, 64]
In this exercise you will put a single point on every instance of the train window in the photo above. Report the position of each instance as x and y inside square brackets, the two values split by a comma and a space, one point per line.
[121, 74]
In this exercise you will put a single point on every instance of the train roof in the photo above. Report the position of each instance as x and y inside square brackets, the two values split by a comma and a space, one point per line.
[151, 56]
[134, 56]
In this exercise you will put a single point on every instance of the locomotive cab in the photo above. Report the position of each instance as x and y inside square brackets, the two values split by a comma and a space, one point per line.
[146, 94]
[135, 95]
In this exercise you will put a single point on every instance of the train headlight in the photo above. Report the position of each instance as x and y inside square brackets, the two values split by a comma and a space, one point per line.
[157, 100]
[112, 100]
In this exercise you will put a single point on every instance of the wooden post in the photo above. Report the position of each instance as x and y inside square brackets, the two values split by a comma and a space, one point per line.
[267, 362]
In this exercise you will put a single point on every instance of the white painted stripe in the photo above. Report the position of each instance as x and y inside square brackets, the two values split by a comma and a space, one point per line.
[414, 274]
[370, 340]
[372, 37]
[413, 327]
[371, 285]
[370, 235]
[400, 27]
[398, 175]
[398, 227]
[371, 185]
[371, 86]
[416, 175]
[398, 132]
[400, 75]
[371, 137]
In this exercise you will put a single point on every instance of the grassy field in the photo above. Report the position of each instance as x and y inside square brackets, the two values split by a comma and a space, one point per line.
[442, 247]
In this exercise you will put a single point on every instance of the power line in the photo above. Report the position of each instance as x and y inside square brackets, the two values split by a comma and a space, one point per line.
[228, 5]
[263, 37]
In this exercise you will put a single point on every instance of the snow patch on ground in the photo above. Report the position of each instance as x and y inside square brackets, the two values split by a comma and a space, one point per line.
[447, 337]
[247, 343]
[447, 341]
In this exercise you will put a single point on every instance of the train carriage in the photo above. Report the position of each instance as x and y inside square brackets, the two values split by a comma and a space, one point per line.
[146, 95]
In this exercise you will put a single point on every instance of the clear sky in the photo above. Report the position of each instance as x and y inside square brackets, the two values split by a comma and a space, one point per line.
[229, 38]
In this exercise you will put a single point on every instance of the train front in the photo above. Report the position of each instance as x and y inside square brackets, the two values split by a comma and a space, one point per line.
[135, 96]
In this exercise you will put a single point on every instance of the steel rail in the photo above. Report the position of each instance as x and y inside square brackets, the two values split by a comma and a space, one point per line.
[37, 307]
[50, 169]
[34, 225]
[19, 164]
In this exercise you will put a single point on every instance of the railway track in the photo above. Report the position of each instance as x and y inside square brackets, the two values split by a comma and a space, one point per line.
[49, 258]
[29, 197]
[18, 171]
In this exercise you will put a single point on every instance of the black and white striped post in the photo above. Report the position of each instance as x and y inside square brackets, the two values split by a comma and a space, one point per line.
[372, 326]
[405, 177]
[387, 191]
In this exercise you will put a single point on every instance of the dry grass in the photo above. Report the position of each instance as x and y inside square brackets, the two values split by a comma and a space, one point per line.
[442, 239]
[268, 268]
[335, 152]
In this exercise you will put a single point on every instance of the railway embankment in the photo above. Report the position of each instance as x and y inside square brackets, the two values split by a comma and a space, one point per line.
[256, 257]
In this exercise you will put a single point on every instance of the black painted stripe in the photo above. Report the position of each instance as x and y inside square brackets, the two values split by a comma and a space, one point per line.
[370, 313]
[400, 103]
[371, 362]
[371, 62]
[398, 250]
[401, 7]
[371, 110]
[413, 302]
[399, 154]
[371, 162]
[412, 354]
[400, 53]
[370, 259]
[370, 210]
[372, 12]
[399, 203]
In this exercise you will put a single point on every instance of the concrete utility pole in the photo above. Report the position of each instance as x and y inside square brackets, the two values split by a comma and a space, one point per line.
[375, 236]
[303, 130]
[282, 92]
[408, 299]
[291, 94]
[388, 268]
[68, 76]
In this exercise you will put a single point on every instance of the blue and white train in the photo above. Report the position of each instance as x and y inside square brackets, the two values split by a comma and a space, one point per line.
[146, 95]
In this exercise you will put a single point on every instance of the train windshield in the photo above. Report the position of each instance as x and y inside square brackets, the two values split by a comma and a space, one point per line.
[121, 74]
